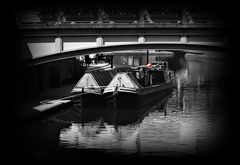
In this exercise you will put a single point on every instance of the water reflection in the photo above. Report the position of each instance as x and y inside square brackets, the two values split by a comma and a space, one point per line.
[113, 129]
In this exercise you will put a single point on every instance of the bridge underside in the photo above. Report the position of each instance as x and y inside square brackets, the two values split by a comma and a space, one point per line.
[177, 47]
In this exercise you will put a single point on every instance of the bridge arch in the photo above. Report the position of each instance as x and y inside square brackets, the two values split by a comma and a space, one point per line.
[111, 48]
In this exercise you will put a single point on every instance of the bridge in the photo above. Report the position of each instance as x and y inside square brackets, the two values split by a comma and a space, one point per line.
[41, 44]
[171, 46]
[57, 30]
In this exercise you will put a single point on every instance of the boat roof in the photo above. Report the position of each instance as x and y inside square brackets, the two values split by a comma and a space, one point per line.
[104, 77]
[96, 79]
[125, 79]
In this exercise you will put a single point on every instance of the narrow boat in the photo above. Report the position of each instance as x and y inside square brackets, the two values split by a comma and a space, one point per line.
[89, 89]
[140, 86]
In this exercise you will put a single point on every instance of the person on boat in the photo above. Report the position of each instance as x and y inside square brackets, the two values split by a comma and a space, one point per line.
[87, 60]
[149, 65]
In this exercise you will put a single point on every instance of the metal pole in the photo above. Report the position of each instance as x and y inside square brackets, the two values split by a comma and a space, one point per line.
[147, 56]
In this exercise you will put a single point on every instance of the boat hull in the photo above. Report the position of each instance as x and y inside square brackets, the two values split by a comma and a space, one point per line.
[138, 99]
[87, 100]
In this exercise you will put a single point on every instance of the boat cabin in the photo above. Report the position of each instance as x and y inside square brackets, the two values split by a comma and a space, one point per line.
[152, 74]
[94, 82]
[139, 78]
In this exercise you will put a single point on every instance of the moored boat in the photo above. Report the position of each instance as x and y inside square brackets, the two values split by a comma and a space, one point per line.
[140, 86]
[89, 89]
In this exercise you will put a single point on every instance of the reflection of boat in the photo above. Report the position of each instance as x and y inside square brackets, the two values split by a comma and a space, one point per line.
[112, 128]
[124, 116]
[138, 87]
[114, 116]
[99, 137]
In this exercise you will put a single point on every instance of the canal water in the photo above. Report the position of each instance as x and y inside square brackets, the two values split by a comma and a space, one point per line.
[190, 122]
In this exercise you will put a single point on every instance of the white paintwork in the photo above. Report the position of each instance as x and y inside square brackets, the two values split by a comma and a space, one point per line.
[41, 49]
[78, 45]
[50, 104]
[121, 80]
[87, 81]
